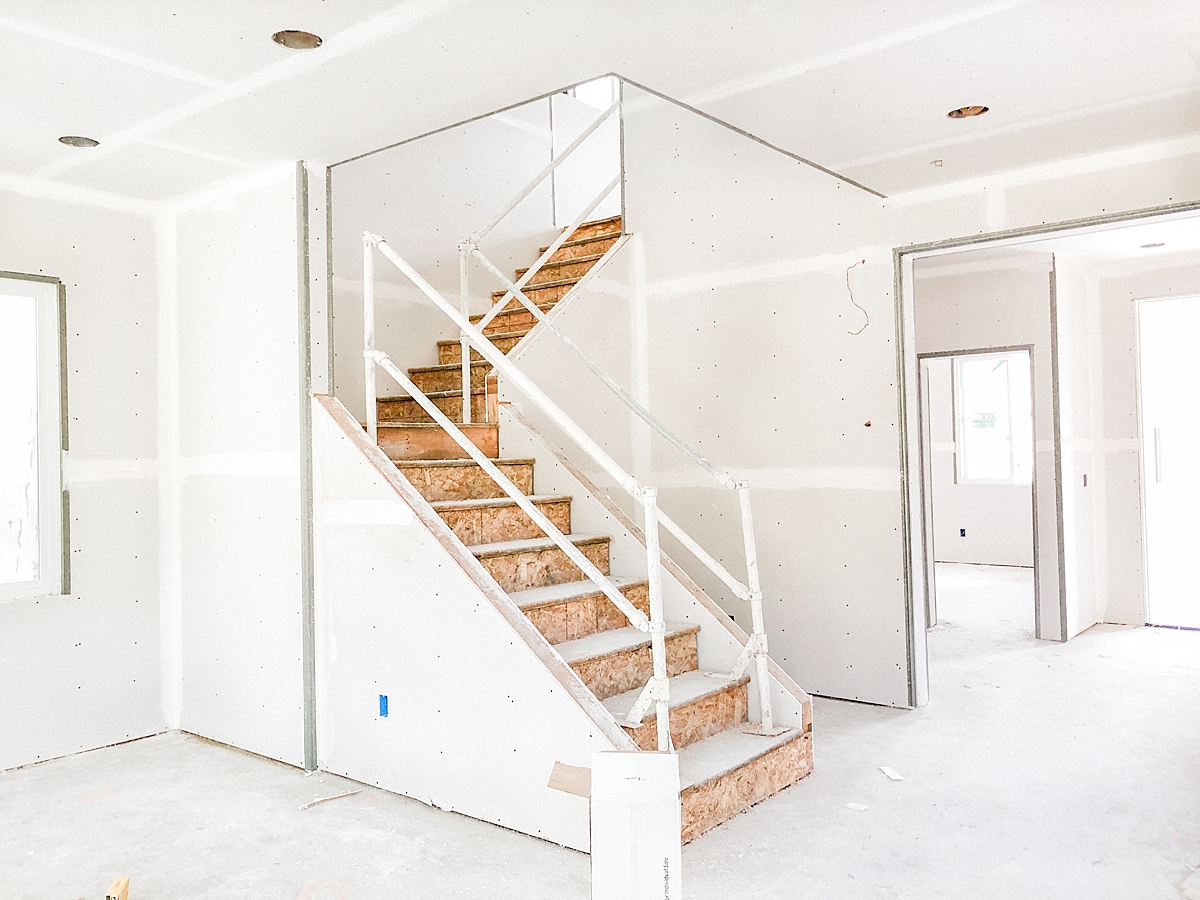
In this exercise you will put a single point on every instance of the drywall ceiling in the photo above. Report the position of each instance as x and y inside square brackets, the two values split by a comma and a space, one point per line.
[182, 95]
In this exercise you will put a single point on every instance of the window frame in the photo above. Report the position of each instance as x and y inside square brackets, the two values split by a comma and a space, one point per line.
[54, 557]
[959, 421]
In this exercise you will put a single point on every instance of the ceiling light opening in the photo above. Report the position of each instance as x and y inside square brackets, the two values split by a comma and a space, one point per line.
[297, 40]
[967, 112]
[78, 140]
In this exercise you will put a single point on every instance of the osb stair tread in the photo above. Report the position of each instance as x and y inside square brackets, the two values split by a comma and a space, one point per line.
[497, 502]
[715, 756]
[686, 688]
[616, 218]
[436, 395]
[494, 336]
[427, 463]
[559, 263]
[532, 598]
[542, 285]
[444, 367]
[618, 640]
[594, 239]
[434, 426]
[503, 548]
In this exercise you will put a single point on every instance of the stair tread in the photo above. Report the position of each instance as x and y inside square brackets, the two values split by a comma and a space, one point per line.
[531, 598]
[493, 502]
[495, 336]
[401, 463]
[437, 395]
[604, 236]
[540, 286]
[558, 263]
[605, 643]
[388, 423]
[715, 756]
[446, 367]
[685, 688]
[499, 548]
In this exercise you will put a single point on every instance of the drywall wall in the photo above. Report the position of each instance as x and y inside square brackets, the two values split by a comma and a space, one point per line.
[730, 315]
[981, 299]
[82, 671]
[479, 706]
[997, 518]
[240, 466]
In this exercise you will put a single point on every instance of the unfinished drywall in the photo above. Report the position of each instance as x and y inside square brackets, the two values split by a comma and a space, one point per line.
[1002, 298]
[479, 707]
[240, 466]
[82, 671]
[997, 518]
[729, 314]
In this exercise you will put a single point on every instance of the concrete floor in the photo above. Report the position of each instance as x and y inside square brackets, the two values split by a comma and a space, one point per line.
[1037, 771]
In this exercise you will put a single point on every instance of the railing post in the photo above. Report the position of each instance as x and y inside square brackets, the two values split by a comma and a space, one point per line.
[369, 335]
[759, 638]
[658, 627]
[464, 306]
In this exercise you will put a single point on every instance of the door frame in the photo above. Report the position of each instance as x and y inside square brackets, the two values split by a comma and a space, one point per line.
[925, 475]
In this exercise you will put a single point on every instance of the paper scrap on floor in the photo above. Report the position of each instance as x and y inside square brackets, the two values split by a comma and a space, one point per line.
[891, 773]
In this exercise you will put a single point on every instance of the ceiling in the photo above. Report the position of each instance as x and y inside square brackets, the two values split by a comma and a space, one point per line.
[182, 95]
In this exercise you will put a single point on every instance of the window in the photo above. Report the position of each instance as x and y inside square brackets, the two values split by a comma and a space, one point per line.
[32, 555]
[993, 427]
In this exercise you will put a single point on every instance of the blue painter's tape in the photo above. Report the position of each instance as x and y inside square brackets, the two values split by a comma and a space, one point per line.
[383, 706]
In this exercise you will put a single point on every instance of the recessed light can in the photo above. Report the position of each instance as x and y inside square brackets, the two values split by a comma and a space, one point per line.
[78, 140]
[967, 112]
[297, 40]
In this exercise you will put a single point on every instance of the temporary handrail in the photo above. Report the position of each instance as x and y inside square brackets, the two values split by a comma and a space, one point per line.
[657, 688]
[636, 617]
[466, 247]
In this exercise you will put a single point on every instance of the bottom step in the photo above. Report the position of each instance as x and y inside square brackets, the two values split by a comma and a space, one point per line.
[730, 772]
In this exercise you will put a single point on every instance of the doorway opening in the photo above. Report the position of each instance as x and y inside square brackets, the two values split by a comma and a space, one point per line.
[1168, 393]
[977, 415]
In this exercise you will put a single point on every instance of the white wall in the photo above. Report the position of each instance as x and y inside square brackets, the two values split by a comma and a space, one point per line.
[82, 671]
[240, 467]
[1001, 298]
[998, 518]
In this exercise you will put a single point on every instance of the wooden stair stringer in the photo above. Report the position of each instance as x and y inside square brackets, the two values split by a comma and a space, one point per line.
[521, 626]
[791, 705]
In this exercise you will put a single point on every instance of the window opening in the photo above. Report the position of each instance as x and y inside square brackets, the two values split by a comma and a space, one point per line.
[993, 418]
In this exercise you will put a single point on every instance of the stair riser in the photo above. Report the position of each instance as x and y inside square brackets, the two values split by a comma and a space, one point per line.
[449, 354]
[447, 380]
[492, 524]
[707, 805]
[582, 616]
[523, 569]
[623, 671]
[401, 443]
[558, 273]
[520, 321]
[591, 229]
[465, 482]
[591, 248]
[405, 409]
[697, 720]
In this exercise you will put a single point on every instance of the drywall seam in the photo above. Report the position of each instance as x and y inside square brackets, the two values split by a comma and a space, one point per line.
[522, 627]
[170, 477]
[784, 680]
[81, 470]
[44, 189]
[246, 464]
[1063, 168]
[782, 270]
[261, 177]
[308, 636]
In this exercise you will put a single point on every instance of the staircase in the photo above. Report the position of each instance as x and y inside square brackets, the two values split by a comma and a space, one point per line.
[724, 768]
